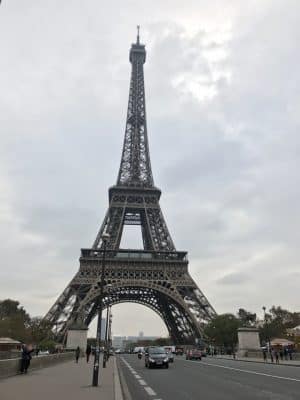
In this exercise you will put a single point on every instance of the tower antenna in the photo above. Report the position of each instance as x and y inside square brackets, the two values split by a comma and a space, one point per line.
[138, 35]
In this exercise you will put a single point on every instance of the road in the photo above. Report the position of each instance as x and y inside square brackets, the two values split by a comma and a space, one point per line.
[210, 379]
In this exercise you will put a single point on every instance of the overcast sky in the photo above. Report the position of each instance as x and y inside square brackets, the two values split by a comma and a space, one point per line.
[223, 107]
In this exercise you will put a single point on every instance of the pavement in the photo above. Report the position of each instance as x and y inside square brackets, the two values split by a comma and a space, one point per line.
[64, 381]
[291, 363]
[210, 379]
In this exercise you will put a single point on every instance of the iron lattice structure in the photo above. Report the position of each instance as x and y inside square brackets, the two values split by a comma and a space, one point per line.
[156, 276]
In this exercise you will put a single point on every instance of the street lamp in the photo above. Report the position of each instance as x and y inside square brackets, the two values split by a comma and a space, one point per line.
[105, 355]
[107, 328]
[104, 237]
[267, 327]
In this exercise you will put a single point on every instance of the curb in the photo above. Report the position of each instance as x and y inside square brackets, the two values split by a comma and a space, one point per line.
[118, 394]
[256, 361]
[124, 387]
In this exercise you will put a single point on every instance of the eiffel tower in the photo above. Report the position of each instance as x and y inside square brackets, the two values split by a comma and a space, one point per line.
[157, 276]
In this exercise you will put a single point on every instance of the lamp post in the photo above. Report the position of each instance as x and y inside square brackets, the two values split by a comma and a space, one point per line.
[105, 353]
[107, 334]
[267, 327]
[104, 237]
[109, 330]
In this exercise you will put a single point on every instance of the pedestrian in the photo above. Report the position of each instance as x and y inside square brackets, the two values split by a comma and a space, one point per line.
[233, 353]
[77, 354]
[271, 354]
[277, 356]
[285, 351]
[265, 355]
[290, 353]
[26, 357]
[88, 352]
[281, 354]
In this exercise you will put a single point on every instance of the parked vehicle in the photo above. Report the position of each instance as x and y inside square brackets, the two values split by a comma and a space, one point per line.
[193, 354]
[203, 353]
[156, 356]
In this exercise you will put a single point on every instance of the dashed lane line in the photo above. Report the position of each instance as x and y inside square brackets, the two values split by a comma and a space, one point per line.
[245, 370]
[142, 382]
[150, 391]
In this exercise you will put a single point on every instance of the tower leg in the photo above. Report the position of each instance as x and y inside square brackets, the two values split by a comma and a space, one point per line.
[77, 337]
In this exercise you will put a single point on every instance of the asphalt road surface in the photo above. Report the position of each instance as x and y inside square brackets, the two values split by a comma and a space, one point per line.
[210, 379]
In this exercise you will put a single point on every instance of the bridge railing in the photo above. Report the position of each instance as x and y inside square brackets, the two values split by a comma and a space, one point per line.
[11, 367]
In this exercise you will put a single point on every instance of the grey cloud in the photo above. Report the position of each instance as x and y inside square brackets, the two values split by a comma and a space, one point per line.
[233, 279]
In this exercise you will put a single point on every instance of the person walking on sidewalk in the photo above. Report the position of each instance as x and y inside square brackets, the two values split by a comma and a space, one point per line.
[265, 355]
[277, 356]
[88, 352]
[77, 354]
[281, 354]
[26, 357]
[272, 354]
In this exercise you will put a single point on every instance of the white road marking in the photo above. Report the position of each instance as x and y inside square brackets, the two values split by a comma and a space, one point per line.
[246, 371]
[150, 391]
[142, 382]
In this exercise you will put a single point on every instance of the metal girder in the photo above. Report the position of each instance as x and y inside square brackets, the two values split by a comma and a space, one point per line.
[135, 168]
[156, 277]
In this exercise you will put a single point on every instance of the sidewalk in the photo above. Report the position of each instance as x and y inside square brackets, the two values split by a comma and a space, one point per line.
[64, 381]
[291, 363]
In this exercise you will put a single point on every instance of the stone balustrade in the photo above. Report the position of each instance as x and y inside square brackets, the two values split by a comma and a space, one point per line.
[11, 367]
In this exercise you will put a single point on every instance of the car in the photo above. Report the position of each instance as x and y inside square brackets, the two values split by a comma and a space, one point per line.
[44, 353]
[156, 357]
[170, 356]
[193, 354]
[179, 351]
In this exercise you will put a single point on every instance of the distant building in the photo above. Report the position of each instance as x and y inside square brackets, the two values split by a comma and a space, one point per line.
[134, 339]
[8, 344]
[123, 342]
[9, 348]
[118, 342]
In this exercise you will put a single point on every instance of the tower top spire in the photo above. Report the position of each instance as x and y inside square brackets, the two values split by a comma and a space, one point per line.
[135, 168]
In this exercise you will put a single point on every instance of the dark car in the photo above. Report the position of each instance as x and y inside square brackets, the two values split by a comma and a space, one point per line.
[156, 357]
[193, 354]
[179, 351]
